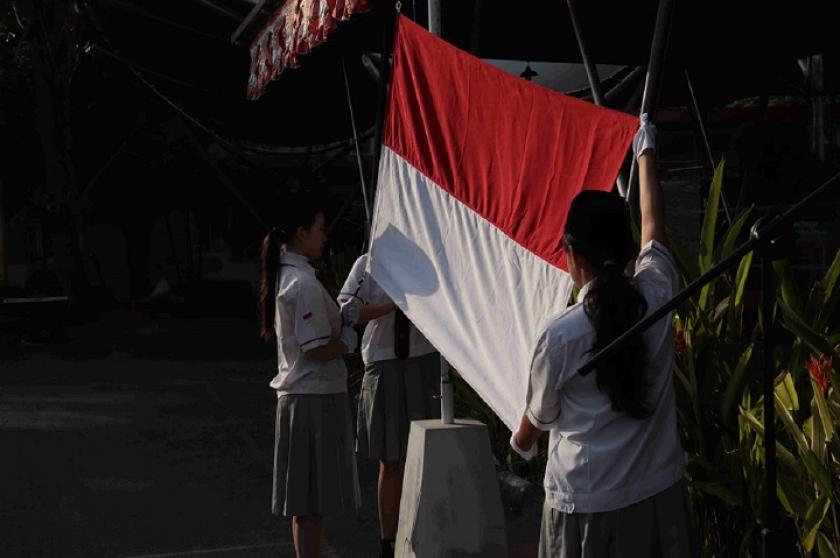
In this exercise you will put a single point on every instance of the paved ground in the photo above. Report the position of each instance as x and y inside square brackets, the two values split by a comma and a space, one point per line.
[140, 437]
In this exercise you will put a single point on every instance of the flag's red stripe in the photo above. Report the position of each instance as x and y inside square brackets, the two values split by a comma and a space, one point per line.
[514, 152]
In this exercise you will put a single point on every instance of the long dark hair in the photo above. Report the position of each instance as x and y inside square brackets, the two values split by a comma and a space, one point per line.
[301, 211]
[598, 228]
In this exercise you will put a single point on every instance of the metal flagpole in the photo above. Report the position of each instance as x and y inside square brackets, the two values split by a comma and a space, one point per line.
[447, 404]
[384, 78]
[594, 79]
[358, 149]
[656, 65]
[706, 143]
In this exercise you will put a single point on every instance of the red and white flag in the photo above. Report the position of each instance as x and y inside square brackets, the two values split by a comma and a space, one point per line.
[477, 172]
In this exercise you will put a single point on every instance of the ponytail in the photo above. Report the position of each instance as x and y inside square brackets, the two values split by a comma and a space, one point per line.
[269, 256]
[613, 305]
[298, 211]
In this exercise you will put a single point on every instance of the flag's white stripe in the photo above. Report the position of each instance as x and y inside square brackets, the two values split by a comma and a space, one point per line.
[476, 294]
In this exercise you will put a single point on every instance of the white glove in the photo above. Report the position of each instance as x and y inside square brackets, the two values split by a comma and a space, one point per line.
[645, 138]
[350, 311]
[349, 337]
[526, 455]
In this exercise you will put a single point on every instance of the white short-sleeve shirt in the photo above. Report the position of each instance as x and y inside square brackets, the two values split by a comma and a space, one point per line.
[378, 339]
[599, 459]
[305, 317]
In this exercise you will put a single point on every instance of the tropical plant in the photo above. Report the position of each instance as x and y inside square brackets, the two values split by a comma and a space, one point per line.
[718, 380]
[721, 405]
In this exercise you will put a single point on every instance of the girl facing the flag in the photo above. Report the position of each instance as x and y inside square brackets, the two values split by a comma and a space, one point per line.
[613, 480]
[314, 463]
[402, 377]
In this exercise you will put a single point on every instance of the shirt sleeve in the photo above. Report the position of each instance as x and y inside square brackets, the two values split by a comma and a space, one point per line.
[543, 397]
[655, 267]
[357, 284]
[312, 329]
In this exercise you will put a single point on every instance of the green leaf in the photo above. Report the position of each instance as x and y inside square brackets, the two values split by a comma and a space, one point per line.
[704, 325]
[741, 277]
[736, 308]
[829, 293]
[829, 282]
[707, 232]
[819, 472]
[782, 453]
[721, 309]
[689, 389]
[703, 462]
[706, 293]
[718, 490]
[686, 265]
[795, 325]
[813, 520]
[786, 392]
[788, 288]
[823, 412]
[825, 548]
[791, 426]
[732, 393]
[732, 234]
[790, 493]
[746, 542]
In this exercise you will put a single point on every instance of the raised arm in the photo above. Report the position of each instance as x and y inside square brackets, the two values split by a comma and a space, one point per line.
[651, 200]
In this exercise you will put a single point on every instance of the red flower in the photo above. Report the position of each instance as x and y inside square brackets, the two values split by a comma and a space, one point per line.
[819, 367]
[679, 341]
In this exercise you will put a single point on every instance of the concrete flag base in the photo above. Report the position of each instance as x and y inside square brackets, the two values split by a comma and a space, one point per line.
[450, 503]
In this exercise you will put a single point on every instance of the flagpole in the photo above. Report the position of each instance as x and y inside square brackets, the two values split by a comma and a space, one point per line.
[594, 79]
[384, 77]
[704, 136]
[653, 79]
[358, 148]
[447, 404]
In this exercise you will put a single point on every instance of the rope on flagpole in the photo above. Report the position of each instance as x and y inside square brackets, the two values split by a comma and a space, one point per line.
[384, 78]
[358, 148]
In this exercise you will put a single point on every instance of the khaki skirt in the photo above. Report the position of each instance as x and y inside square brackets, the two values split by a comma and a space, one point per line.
[314, 464]
[659, 526]
[394, 393]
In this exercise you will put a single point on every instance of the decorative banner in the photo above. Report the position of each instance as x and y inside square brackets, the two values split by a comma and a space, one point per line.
[477, 173]
[295, 28]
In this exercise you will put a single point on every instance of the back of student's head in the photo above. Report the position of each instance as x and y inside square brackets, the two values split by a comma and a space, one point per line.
[598, 229]
[295, 211]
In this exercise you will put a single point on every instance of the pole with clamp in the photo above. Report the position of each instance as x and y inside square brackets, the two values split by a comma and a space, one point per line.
[772, 244]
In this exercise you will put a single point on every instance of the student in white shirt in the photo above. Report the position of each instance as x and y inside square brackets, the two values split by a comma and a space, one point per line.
[402, 377]
[314, 463]
[613, 480]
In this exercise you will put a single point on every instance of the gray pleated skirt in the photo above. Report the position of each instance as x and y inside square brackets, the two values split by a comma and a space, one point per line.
[394, 393]
[314, 464]
[659, 526]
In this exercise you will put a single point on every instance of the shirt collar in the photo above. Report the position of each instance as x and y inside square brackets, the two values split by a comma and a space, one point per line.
[296, 260]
